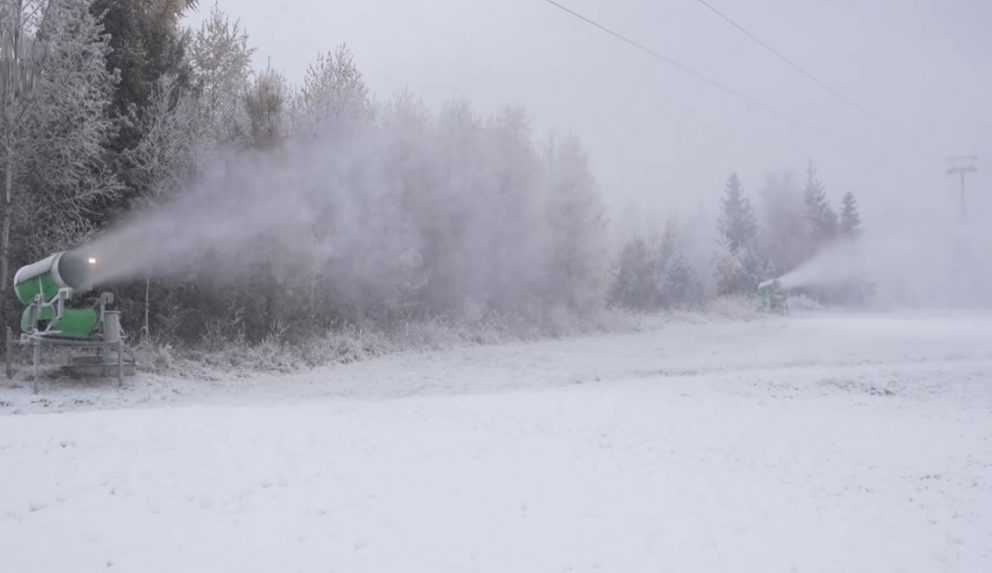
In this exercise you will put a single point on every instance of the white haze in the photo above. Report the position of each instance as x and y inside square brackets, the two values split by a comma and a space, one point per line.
[938, 265]
[296, 210]
[442, 214]
[662, 141]
[663, 144]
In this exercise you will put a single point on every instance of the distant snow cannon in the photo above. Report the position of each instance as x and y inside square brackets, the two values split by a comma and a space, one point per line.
[61, 310]
[773, 297]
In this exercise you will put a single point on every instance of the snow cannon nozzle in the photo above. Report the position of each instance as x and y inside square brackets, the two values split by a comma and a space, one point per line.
[76, 270]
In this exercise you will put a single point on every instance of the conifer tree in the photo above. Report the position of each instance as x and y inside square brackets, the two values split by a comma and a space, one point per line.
[634, 285]
[681, 287]
[850, 219]
[738, 227]
[821, 218]
[576, 219]
[147, 43]
[738, 266]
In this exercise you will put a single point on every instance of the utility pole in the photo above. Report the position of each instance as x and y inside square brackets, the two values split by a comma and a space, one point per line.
[962, 165]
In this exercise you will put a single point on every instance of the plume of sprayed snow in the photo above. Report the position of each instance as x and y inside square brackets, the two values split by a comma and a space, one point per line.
[243, 208]
[839, 263]
[926, 266]
[446, 211]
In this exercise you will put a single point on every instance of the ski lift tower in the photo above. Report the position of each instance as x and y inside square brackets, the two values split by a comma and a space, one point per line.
[962, 166]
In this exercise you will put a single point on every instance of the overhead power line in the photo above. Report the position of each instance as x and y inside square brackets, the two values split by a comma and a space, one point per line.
[788, 61]
[684, 68]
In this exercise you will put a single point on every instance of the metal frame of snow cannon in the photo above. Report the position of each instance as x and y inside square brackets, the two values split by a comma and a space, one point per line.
[773, 297]
[47, 288]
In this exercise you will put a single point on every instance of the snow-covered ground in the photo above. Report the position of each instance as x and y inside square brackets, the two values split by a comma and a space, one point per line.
[809, 443]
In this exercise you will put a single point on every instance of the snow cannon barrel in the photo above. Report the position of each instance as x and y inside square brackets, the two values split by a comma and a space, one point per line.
[48, 276]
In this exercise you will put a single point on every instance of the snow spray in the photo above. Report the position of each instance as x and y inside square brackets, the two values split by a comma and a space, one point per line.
[840, 262]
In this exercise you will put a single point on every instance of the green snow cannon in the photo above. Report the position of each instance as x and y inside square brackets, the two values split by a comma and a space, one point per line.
[773, 297]
[52, 288]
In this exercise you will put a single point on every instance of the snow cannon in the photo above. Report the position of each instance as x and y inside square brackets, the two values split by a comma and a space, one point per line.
[62, 310]
[773, 297]
[53, 289]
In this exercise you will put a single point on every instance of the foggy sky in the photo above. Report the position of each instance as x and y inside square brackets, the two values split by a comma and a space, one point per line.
[661, 141]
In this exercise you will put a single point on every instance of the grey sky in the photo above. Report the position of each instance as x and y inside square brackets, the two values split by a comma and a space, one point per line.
[659, 139]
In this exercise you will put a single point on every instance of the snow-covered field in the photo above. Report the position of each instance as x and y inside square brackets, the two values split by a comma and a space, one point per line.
[809, 443]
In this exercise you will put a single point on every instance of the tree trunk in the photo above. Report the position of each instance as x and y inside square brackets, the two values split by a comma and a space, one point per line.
[12, 70]
[312, 302]
[146, 331]
[8, 184]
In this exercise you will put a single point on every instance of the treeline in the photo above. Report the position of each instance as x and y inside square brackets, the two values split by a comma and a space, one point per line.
[328, 206]
[792, 224]
[365, 209]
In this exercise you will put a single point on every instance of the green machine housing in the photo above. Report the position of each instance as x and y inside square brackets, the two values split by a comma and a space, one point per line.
[48, 289]
[773, 297]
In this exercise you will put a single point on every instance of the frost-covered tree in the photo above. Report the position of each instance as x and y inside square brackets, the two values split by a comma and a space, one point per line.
[220, 61]
[635, 282]
[55, 127]
[165, 160]
[739, 265]
[677, 279]
[820, 217]
[265, 106]
[160, 166]
[850, 219]
[18, 72]
[681, 287]
[55, 90]
[669, 245]
[333, 96]
[576, 224]
[739, 272]
[657, 273]
[738, 227]
[147, 44]
[513, 200]
[69, 125]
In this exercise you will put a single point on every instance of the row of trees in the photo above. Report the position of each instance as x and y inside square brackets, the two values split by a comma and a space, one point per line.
[348, 208]
[793, 225]
[659, 273]
[312, 205]
[791, 232]
[55, 93]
